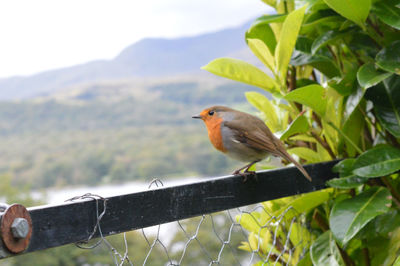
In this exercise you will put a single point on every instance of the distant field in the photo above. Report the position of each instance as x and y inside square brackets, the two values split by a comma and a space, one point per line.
[87, 137]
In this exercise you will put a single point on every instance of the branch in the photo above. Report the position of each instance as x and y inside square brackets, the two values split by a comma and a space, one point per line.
[324, 144]
[320, 220]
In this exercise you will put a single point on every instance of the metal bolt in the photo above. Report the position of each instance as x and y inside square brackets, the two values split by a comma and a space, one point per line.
[20, 228]
[3, 207]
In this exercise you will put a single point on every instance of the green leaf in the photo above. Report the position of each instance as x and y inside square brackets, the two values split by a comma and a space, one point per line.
[386, 223]
[354, 10]
[379, 161]
[344, 167]
[389, 14]
[304, 203]
[386, 99]
[260, 29]
[397, 261]
[241, 71]
[353, 128]
[270, 2]
[324, 64]
[325, 252]
[305, 261]
[287, 41]
[326, 38]
[262, 103]
[368, 75]
[321, 60]
[389, 58]
[330, 22]
[345, 85]
[312, 96]
[299, 125]
[349, 216]
[347, 182]
[394, 247]
[305, 153]
[260, 50]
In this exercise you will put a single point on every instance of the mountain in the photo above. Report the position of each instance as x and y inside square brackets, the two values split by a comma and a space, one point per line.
[153, 57]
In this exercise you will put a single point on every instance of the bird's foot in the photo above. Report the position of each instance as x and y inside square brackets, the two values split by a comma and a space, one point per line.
[246, 175]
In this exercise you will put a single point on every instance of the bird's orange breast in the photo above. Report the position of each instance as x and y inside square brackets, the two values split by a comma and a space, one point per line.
[214, 133]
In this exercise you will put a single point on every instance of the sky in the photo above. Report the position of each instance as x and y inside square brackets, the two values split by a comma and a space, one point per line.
[47, 34]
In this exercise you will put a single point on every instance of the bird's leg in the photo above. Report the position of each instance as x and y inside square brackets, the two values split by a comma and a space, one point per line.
[246, 172]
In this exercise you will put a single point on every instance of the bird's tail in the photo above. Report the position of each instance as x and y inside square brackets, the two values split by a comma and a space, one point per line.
[283, 153]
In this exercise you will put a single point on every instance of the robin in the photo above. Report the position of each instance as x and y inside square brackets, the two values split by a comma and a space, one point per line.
[243, 137]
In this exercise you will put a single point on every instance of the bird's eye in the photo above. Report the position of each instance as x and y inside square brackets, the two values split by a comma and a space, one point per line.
[211, 112]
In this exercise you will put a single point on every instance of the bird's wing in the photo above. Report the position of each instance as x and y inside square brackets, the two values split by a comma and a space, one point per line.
[253, 132]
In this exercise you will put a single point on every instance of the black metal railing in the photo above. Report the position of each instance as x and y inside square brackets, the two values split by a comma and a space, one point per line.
[79, 219]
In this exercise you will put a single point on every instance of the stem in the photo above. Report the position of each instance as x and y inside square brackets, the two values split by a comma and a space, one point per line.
[346, 137]
[292, 82]
[376, 28]
[370, 122]
[337, 61]
[314, 76]
[367, 260]
[324, 144]
[393, 139]
[317, 119]
[345, 256]
[320, 221]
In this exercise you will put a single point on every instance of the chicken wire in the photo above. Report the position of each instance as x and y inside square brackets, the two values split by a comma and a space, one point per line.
[249, 235]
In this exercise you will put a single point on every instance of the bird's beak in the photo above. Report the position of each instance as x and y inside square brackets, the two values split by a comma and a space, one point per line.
[197, 116]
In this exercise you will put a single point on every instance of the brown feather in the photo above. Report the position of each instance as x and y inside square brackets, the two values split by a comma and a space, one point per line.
[252, 131]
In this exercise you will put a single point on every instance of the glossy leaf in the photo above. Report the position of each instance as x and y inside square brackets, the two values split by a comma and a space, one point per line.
[326, 38]
[325, 252]
[347, 182]
[303, 204]
[368, 75]
[379, 161]
[386, 99]
[324, 64]
[389, 58]
[262, 103]
[260, 50]
[287, 41]
[346, 85]
[312, 96]
[354, 10]
[262, 29]
[241, 71]
[349, 216]
[347, 178]
[388, 13]
[344, 167]
[270, 2]
[305, 153]
[397, 261]
[386, 223]
[299, 125]
[394, 248]
[330, 22]
[353, 128]
[321, 60]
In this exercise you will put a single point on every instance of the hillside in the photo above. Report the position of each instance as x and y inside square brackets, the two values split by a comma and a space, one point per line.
[147, 58]
[120, 120]
[114, 132]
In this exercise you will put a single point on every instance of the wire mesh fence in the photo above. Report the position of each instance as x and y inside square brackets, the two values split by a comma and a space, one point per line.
[251, 235]
[216, 221]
